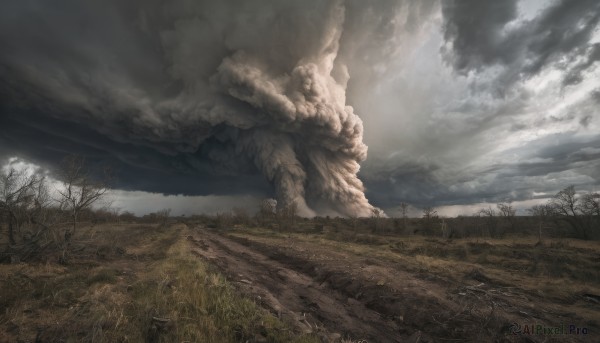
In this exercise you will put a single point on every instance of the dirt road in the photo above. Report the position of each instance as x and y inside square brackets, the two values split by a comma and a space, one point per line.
[339, 295]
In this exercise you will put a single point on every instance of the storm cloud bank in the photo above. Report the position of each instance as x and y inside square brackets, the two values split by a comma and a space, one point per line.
[463, 101]
[221, 88]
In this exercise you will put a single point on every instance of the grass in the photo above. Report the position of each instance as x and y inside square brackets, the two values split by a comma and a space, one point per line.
[201, 305]
[560, 268]
[131, 283]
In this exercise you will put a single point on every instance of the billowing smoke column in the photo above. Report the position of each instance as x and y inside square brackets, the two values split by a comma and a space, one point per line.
[312, 143]
[242, 82]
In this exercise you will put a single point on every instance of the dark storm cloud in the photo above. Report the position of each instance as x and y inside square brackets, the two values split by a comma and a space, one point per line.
[544, 165]
[47, 141]
[487, 33]
[592, 55]
[410, 182]
[216, 90]
[513, 117]
[232, 97]
[475, 48]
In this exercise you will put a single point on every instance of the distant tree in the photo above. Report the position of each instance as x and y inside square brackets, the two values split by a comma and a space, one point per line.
[267, 210]
[444, 227]
[429, 213]
[507, 212]
[429, 218]
[489, 216]
[506, 209]
[590, 208]
[590, 204]
[568, 207]
[353, 221]
[541, 212]
[223, 220]
[377, 218]
[287, 215]
[115, 214]
[79, 189]
[163, 216]
[102, 215]
[240, 215]
[566, 203]
[487, 212]
[404, 212]
[127, 217]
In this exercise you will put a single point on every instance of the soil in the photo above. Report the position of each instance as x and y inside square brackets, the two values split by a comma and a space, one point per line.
[339, 295]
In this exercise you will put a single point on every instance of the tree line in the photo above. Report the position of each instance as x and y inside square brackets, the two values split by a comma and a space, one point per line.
[38, 217]
[567, 213]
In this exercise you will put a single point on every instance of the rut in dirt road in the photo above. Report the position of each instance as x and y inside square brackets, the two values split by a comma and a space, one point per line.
[342, 294]
[310, 305]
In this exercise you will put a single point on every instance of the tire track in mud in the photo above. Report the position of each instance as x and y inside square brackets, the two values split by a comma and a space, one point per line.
[336, 294]
[420, 309]
[310, 305]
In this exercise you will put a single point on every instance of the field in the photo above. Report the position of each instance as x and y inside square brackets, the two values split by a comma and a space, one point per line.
[130, 283]
[187, 283]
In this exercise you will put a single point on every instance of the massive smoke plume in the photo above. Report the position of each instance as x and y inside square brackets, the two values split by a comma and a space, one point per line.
[204, 97]
[227, 87]
[309, 143]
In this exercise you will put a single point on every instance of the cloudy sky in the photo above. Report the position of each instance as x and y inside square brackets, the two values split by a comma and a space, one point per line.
[205, 105]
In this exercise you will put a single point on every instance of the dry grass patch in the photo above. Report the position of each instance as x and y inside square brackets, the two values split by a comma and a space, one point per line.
[566, 268]
[183, 300]
[130, 283]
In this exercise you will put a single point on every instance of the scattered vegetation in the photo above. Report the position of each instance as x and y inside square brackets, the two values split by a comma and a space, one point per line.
[131, 293]
[71, 272]
[566, 267]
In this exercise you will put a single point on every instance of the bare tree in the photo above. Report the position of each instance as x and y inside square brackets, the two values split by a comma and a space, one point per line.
[42, 204]
[240, 215]
[444, 227]
[163, 216]
[18, 192]
[590, 204]
[127, 217]
[506, 209]
[490, 217]
[590, 208]
[267, 210]
[507, 212]
[430, 216]
[25, 203]
[115, 213]
[287, 215]
[429, 213]
[566, 203]
[541, 212]
[223, 220]
[404, 211]
[568, 207]
[79, 190]
[377, 218]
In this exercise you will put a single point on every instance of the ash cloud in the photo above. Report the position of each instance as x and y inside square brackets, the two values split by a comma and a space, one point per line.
[218, 90]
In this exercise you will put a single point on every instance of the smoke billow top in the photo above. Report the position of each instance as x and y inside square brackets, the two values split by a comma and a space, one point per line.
[230, 86]
[300, 134]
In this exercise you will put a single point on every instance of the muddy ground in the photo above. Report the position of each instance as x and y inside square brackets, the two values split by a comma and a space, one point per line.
[341, 295]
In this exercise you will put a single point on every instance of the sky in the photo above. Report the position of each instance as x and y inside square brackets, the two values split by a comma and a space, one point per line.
[337, 106]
